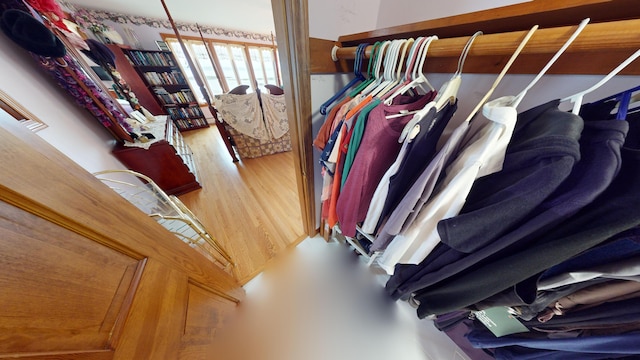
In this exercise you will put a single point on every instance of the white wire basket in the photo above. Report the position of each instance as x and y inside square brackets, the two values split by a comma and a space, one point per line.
[167, 210]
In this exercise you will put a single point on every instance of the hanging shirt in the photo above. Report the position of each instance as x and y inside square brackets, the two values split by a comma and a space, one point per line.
[610, 291]
[377, 151]
[610, 213]
[328, 169]
[340, 151]
[421, 190]
[356, 138]
[599, 145]
[482, 154]
[611, 313]
[328, 126]
[415, 155]
[329, 158]
[542, 152]
[621, 247]
[418, 157]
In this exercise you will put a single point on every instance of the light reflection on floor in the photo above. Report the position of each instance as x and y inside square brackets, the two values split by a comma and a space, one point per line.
[319, 302]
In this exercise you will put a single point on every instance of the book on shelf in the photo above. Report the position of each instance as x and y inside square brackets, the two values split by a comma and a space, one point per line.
[185, 113]
[145, 58]
[191, 123]
[164, 78]
[179, 97]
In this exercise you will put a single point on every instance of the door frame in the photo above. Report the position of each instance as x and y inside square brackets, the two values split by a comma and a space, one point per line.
[291, 20]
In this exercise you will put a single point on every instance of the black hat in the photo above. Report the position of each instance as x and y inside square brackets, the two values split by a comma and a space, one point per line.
[100, 53]
[31, 34]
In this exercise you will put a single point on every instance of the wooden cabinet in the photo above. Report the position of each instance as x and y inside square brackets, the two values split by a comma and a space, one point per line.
[169, 162]
[160, 72]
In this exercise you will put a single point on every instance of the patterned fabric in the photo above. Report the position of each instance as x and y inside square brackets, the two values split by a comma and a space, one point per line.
[62, 76]
[275, 114]
[248, 147]
[243, 113]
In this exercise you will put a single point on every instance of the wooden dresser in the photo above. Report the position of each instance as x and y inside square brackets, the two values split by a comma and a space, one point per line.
[168, 160]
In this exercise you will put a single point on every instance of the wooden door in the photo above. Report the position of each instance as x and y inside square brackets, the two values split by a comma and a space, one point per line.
[85, 275]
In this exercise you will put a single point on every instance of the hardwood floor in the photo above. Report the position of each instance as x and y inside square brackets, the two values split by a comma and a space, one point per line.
[251, 207]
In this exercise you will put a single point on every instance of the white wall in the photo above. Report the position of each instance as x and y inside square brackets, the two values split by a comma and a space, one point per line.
[328, 19]
[71, 129]
[400, 12]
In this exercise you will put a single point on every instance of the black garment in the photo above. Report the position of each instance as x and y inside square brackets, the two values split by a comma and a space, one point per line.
[600, 144]
[614, 211]
[421, 151]
[610, 313]
[542, 151]
[530, 301]
[537, 303]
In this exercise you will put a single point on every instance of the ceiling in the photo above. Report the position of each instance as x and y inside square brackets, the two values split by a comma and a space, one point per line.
[246, 15]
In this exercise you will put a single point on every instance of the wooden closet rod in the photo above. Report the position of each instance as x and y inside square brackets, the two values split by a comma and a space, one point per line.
[613, 35]
[598, 47]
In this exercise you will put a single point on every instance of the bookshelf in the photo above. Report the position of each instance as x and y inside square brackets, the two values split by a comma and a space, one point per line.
[160, 72]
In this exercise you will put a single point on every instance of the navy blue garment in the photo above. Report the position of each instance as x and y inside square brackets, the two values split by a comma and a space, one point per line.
[600, 144]
[542, 151]
[420, 152]
[529, 307]
[326, 152]
[522, 353]
[628, 344]
[529, 301]
[622, 246]
[456, 325]
[614, 211]
[611, 313]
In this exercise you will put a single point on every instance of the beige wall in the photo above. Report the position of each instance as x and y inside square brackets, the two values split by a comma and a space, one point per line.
[71, 128]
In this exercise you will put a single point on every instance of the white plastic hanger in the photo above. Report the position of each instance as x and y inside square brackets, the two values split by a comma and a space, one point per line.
[519, 97]
[412, 58]
[418, 77]
[576, 99]
[398, 74]
[378, 64]
[417, 71]
[502, 73]
[390, 64]
[450, 88]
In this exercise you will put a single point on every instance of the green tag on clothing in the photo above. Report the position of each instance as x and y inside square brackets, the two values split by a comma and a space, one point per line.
[500, 322]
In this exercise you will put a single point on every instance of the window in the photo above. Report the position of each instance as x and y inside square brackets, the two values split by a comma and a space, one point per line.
[264, 65]
[236, 64]
[176, 49]
[207, 68]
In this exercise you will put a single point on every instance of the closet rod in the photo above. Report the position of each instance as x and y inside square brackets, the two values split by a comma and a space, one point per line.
[607, 36]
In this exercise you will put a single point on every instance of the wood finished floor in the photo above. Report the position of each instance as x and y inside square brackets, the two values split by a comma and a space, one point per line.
[251, 207]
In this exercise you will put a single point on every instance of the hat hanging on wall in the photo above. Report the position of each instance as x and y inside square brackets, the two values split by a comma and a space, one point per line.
[31, 34]
[100, 53]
